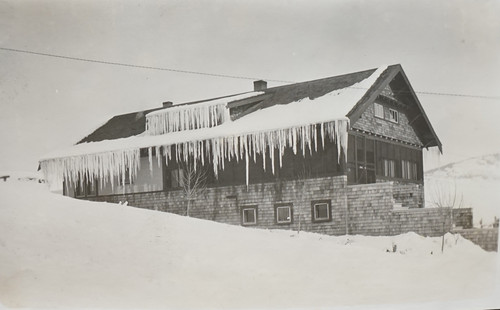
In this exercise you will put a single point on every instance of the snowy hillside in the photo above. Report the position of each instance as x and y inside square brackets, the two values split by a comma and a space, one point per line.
[477, 179]
[60, 252]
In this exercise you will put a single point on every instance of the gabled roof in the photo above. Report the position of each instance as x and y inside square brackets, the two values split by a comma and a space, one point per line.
[131, 124]
[403, 91]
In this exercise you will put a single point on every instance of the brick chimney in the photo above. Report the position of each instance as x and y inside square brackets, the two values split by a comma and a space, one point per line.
[168, 104]
[259, 85]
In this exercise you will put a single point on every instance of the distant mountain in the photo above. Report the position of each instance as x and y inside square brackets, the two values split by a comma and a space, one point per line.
[484, 167]
[476, 179]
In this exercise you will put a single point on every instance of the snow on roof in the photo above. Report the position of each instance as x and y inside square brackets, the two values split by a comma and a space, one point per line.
[332, 106]
[204, 114]
[210, 102]
[275, 128]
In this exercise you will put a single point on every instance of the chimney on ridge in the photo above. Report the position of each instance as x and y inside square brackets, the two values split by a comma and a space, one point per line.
[259, 85]
[168, 104]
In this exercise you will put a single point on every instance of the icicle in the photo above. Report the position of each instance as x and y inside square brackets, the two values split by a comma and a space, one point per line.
[114, 164]
[187, 117]
[150, 158]
[158, 155]
[247, 169]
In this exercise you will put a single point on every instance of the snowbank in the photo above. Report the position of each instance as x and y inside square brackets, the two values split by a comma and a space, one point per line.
[59, 252]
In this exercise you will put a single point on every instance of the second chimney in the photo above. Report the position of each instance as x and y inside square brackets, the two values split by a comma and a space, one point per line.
[259, 85]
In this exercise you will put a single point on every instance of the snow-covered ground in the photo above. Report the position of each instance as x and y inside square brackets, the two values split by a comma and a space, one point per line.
[476, 179]
[60, 252]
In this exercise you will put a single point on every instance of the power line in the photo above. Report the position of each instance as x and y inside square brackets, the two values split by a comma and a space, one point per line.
[211, 74]
[137, 66]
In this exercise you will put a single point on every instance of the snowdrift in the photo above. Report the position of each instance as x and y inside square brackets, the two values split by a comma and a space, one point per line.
[60, 252]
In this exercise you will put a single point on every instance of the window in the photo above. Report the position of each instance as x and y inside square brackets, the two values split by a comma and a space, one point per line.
[249, 215]
[389, 168]
[283, 213]
[379, 110]
[393, 116]
[85, 188]
[176, 178]
[124, 180]
[409, 170]
[321, 211]
[360, 160]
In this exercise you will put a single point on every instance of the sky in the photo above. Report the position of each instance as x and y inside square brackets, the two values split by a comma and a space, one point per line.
[47, 103]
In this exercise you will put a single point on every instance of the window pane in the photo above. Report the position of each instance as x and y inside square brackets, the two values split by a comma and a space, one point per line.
[249, 216]
[321, 211]
[283, 214]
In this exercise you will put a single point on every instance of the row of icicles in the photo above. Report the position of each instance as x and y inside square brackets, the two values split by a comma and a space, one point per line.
[186, 118]
[114, 165]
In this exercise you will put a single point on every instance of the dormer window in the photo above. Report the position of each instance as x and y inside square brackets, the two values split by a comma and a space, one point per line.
[393, 116]
[379, 110]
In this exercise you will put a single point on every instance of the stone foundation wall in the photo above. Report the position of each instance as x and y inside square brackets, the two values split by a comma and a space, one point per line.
[410, 195]
[462, 218]
[486, 238]
[430, 222]
[224, 204]
[367, 209]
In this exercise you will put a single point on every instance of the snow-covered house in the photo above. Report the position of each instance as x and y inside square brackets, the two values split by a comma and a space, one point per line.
[335, 155]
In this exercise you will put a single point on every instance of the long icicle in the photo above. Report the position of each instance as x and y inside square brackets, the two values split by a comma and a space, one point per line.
[108, 166]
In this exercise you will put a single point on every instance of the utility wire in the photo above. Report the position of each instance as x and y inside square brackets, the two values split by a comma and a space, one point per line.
[210, 74]
[137, 66]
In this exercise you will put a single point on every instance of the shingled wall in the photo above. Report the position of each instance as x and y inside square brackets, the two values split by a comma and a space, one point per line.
[370, 207]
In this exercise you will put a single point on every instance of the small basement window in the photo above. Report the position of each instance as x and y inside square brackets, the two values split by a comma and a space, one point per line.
[321, 211]
[379, 110]
[393, 116]
[249, 215]
[283, 213]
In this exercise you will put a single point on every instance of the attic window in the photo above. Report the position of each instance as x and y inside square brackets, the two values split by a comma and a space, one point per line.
[393, 116]
[379, 110]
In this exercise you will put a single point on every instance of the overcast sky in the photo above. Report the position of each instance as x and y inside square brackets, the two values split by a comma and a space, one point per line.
[47, 103]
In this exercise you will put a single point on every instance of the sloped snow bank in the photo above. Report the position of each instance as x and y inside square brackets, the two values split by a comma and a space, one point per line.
[59, 252]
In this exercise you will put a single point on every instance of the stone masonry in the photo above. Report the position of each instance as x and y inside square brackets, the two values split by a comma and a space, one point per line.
[366, 209]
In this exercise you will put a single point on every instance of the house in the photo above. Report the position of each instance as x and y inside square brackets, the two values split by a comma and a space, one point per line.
[339, 155]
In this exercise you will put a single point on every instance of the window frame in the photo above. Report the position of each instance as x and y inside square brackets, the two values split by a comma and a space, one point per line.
[314, 203]
[255, 211]
[393, 116]
[289, 206]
